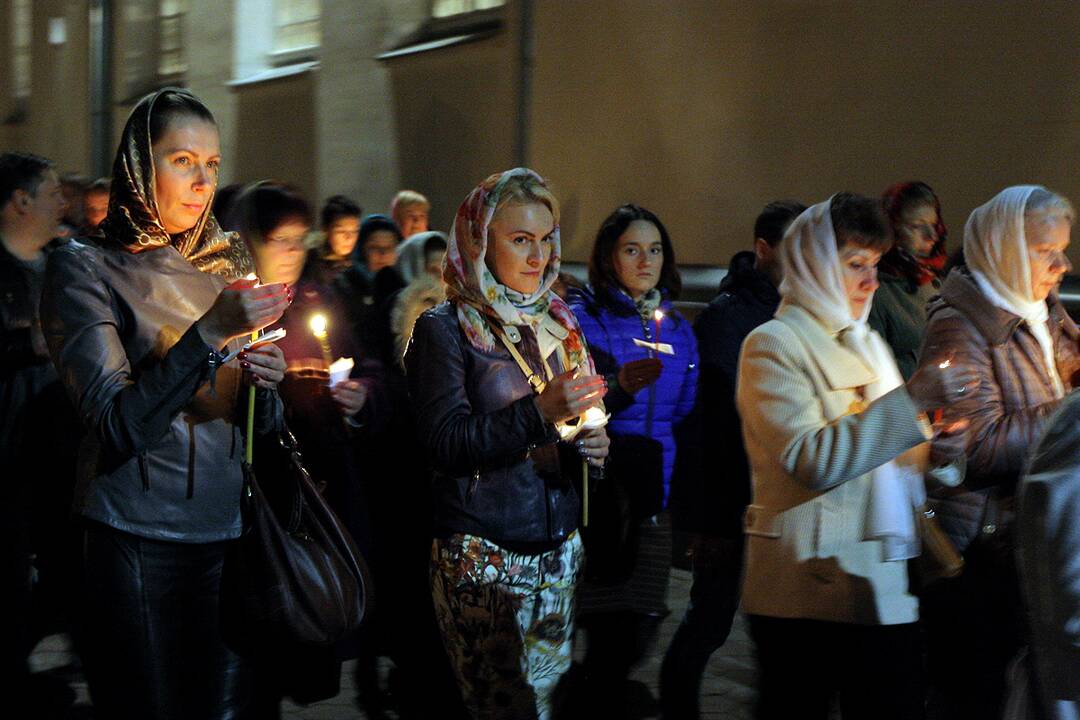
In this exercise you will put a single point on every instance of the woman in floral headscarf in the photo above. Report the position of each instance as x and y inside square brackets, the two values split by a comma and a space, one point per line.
[495, 375]
[136, 319]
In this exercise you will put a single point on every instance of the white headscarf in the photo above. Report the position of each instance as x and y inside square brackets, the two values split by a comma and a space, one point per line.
[995, 249]
[813, 280]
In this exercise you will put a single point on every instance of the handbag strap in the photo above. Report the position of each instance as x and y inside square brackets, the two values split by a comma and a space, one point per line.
[535, 381]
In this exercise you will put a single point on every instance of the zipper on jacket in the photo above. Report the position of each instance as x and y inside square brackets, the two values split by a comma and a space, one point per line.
[652, 387]
[144, 471]
[474, 483]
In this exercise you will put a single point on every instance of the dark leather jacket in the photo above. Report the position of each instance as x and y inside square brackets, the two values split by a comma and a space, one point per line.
[163, 449]
[478, 419]
[36, 438]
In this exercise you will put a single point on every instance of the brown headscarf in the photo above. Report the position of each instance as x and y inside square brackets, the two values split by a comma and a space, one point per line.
[133, 219]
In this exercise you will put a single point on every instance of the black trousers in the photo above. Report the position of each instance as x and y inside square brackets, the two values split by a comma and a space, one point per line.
[153, 650]
[714, 598]
[803, 664]
[974, 628]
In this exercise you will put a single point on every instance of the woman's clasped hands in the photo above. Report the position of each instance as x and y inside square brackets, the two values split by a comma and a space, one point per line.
[569, 396]
[242, 308]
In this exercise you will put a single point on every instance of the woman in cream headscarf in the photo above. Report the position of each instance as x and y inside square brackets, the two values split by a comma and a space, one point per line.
[828, 424]
[495, 374]
[1001, 315]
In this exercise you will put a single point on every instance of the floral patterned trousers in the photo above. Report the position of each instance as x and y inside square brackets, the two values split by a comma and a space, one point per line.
[507, 622]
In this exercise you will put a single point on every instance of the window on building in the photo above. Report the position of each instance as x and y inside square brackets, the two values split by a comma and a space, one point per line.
[171, 58]
[296, 25]
[448, 8]
[21, 33]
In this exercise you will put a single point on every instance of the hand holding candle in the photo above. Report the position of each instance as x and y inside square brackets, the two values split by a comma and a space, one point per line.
[637, 375]
[941, 383]
[243, 307]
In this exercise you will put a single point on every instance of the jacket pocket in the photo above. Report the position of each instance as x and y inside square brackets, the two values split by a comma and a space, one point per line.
[763, 522]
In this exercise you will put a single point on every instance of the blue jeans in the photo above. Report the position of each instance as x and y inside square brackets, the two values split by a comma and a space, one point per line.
[153, 650]
[714, 598]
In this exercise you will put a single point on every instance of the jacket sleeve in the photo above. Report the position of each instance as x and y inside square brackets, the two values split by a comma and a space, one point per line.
[459, 440]
[127, 413]
[599, 342]
[721, 497]
[998, 441]
[782, 414]
[688, 392]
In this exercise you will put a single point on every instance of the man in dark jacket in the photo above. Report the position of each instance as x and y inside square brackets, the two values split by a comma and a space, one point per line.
[36, 431]
[748, 298]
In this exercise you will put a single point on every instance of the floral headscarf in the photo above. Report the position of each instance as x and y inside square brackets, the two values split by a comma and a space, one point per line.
[473, 289]
[133, 220]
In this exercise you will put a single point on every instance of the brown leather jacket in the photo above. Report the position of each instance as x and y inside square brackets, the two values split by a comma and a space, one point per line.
[161, 458]
[1008, 410]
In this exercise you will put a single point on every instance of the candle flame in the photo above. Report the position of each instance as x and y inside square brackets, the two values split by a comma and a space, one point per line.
[658, 315]
[318, 324]
[945, 364]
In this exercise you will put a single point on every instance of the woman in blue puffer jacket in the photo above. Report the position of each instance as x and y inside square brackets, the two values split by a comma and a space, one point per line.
[632, 276]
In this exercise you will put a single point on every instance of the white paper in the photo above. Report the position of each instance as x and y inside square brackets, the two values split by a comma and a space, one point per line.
[662, 348]
[340, 369]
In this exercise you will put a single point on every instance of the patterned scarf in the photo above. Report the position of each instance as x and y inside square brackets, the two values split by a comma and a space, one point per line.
[133, 220]
[477, 295]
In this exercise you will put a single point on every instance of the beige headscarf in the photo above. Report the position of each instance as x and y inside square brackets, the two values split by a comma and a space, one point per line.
[813, 280]
[995, 249]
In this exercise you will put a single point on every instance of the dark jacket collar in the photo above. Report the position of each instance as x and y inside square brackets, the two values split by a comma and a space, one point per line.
[996, 325]
[743, 277]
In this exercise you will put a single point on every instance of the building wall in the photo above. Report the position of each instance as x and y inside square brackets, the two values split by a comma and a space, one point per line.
[702, 110]
[707, 112]
[275, 132]
[455, 111]
[57, 121]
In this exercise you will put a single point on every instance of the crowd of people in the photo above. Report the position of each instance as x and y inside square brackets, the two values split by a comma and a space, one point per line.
[513, 450]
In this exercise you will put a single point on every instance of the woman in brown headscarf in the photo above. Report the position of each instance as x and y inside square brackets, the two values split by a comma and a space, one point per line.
[137, 319]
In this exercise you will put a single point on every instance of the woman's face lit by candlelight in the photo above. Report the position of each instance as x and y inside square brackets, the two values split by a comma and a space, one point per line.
[639, 258]
[858, 267]
[186, 159]
[1047, 242]
[519, 245]
[279, 257]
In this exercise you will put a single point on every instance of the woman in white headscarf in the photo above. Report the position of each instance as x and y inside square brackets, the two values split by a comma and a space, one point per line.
[1000, 315]
[836, 443]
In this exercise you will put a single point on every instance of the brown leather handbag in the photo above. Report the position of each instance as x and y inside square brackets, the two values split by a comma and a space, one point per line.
[295, 576]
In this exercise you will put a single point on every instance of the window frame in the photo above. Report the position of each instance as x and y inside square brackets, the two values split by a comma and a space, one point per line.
[289, 56]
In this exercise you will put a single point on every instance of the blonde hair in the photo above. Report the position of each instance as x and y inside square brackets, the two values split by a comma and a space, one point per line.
[408, 198]
[524, 190]
[1045, 206]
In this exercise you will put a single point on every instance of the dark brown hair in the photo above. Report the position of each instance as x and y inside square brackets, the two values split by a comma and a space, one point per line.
[859, 220]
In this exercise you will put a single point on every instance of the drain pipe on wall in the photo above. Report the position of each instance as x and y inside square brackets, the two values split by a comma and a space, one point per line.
[526, 49]
[100, 46]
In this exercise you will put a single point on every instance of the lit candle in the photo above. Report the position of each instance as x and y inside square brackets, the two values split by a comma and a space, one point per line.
[657, 317]
[318, 323]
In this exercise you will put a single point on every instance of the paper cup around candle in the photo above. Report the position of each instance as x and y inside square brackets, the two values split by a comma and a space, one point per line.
[339, 370]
